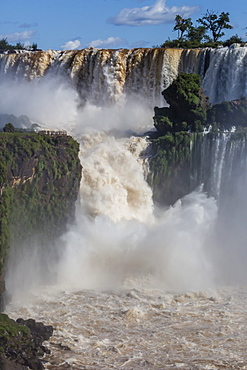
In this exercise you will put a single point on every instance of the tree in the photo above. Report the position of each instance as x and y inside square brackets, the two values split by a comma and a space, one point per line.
[9, 128]
[4, 44]
[34, 46]
[182, 25]
[215, 23]
[196, 34]
[19, 46]
[233, 40]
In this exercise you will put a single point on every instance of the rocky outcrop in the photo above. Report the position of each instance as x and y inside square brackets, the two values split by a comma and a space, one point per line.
[169, 167]
[225, 115]
[178, 128]
[187, 106]
[39, 184]
[21, 343]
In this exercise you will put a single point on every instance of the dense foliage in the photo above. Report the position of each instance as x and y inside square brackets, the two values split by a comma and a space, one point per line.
[187, 106]
[207, 33]
[169, 167]
[188, 114]
[4, 45]
[227, 114]
[39, 182]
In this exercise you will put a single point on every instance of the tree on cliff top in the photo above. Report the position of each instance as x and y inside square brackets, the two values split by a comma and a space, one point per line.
[190, 36]
[215, 23]
[182, 25]
[4, 45]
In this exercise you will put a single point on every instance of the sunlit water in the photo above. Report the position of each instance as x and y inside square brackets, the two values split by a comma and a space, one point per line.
[141, 327]
[134, 287]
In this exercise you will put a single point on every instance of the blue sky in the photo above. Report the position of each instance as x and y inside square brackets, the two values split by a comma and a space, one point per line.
[76, 24]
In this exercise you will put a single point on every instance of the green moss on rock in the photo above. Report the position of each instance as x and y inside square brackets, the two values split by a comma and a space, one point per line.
[39, 184]
[187, 106]
[169, 167]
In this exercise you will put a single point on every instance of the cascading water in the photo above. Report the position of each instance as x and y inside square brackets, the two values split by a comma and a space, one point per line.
[134, 286]
[102, 77]
[226, 75]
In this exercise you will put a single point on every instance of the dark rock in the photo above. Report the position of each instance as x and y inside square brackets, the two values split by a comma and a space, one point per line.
[22, 344]
[38, 330]
[227, 114]
[187, 106]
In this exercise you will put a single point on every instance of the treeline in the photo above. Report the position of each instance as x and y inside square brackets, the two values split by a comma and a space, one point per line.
[4, 45]
[207, 33]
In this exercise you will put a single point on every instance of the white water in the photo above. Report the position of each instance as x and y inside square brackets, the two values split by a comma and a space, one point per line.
[226, 77]
[132, 286]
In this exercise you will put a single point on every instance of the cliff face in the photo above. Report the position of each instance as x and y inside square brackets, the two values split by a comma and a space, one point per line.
[106, 76]
[39, 184]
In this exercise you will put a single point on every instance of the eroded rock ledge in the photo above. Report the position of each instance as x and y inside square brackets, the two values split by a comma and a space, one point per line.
[21, 343]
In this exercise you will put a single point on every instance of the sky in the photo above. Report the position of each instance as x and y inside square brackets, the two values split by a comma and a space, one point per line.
[78, 24]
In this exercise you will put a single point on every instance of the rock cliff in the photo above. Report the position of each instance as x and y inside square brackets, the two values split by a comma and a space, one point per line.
[39, 184]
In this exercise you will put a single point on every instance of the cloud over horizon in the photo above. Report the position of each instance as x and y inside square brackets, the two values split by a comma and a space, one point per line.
[110, 42]
[18, 36]
[157, 13]
[71, 45]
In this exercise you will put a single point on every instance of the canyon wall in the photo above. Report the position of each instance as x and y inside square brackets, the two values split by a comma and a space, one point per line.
[39, 184]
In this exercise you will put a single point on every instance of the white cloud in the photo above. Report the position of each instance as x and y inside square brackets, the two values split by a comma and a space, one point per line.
[71, 45]
[110, 42]
[151, 15]
[18, 36]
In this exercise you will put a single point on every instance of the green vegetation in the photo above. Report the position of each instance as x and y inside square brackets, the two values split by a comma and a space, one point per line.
[9, 329]
[188, 114]
[39, 183]
[169, 167]
[222, 116]
[9, 128]
[188, 106]
[207, 33]
[215, 24]
[189, 109]
[4, 45]
[172, 150]
[21, 343]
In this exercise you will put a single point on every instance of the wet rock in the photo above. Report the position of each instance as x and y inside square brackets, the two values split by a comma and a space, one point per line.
[22, 343]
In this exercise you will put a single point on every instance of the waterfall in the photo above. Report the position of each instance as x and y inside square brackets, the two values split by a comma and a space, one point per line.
[226, 76]
[127, 268]
[103, 98]
[219, 162]
[109, 76]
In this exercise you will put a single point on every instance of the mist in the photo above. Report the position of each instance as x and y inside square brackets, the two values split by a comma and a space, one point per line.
[53, 102]
[119, 236]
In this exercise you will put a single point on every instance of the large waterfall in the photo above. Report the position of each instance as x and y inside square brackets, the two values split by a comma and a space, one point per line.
[107, 76]
[135, 285]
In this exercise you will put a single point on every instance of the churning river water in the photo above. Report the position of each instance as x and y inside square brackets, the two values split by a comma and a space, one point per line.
[141, 327]
[133, 287]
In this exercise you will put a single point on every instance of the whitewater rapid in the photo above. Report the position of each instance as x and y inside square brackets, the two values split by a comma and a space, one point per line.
[131, 285]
